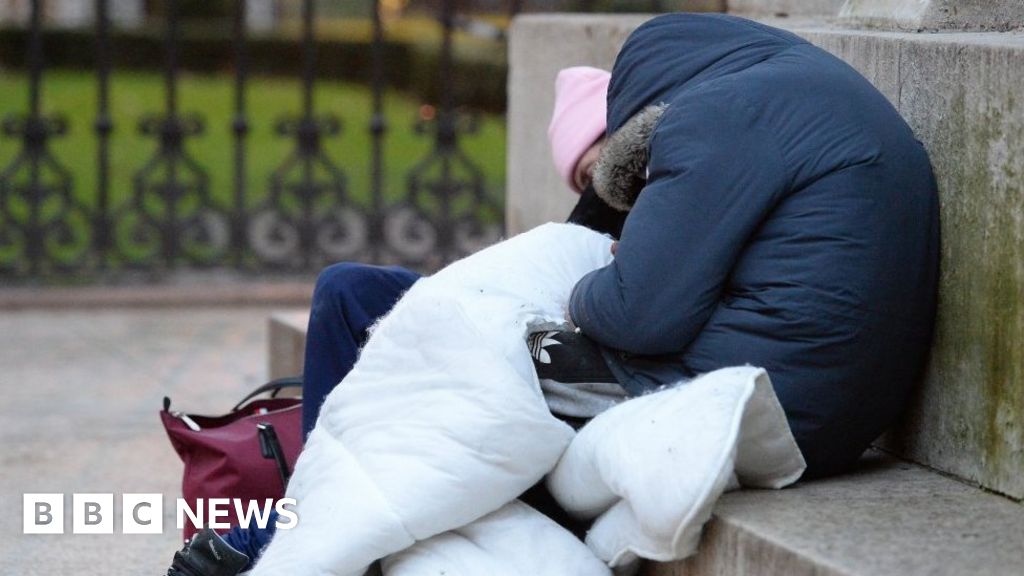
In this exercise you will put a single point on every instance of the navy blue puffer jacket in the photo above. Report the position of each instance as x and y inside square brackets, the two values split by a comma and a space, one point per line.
[789, 220]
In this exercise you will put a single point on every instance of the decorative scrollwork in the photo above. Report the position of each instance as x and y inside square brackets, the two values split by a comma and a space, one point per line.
[43, 227]
[307, 219]
[171, 216]
[472, 234]
[273, 237]
[341, 233]
[410, 233]
[446, 213]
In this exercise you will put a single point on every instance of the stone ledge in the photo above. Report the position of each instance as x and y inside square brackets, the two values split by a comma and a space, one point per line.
[823, 8]
[997, 15]
[286, 340]
[888, 518]
[230, 294]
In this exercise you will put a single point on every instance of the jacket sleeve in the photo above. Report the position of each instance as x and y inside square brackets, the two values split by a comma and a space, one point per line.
[712, 180]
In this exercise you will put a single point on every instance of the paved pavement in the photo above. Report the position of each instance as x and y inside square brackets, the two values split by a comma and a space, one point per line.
[80, 391]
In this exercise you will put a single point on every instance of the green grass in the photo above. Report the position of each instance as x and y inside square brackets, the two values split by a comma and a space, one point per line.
[134, 95]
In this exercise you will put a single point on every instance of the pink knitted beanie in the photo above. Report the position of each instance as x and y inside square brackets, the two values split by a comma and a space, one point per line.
[578, 121]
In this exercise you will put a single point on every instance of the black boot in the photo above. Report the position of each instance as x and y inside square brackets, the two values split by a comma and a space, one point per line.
[207, 554]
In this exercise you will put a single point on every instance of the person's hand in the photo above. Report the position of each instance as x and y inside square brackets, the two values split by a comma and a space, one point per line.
[615, 247]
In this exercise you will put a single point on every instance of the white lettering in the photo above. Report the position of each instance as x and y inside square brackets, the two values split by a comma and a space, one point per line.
[218, 508]
[284, 511]
[183, 509]
[260, 511]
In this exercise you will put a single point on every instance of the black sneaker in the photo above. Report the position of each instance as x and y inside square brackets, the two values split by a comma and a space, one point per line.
[207, 554]
[568, 357]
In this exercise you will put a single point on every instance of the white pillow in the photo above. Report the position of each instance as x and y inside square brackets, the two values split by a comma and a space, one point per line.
[651, 468]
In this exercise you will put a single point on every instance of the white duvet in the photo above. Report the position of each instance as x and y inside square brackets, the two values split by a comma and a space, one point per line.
[418, 457]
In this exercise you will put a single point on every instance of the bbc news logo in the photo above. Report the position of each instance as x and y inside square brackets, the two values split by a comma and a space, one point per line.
[144, 513]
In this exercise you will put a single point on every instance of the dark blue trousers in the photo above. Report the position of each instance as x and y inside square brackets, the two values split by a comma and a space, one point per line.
[348, 299]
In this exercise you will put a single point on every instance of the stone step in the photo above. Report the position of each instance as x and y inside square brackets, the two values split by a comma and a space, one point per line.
[888, 518]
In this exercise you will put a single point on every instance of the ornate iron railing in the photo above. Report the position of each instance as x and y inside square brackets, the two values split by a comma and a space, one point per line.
[305, 218]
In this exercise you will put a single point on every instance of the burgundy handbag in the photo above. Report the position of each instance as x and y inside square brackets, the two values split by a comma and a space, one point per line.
[247, 453]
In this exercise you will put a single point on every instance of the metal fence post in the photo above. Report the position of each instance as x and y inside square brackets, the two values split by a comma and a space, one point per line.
[103, 127]
[327, 227]
[240, 129]
[446, 178]
[43, 228]
[378, 126]
[171, 218]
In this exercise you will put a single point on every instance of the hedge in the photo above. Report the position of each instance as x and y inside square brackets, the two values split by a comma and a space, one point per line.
[479, 83]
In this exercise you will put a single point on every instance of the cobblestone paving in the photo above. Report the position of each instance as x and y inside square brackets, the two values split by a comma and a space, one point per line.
[79, 397]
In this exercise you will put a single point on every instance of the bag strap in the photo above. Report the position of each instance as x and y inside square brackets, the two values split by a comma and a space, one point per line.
[274, 386]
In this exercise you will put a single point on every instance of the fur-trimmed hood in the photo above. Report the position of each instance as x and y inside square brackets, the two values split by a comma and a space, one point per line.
[662, 59]
[621, 170]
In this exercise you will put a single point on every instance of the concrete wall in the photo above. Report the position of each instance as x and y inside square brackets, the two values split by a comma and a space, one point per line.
[961, 93]
[912, 15]
[785, 7]
[998, 15]
[694, 5]
[540, 46]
